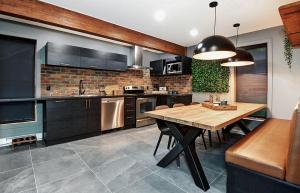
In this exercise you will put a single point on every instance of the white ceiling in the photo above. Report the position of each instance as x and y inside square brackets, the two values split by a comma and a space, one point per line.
[181, 16]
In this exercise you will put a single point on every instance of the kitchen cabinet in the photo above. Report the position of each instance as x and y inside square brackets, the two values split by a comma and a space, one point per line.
[170, 100]
[129, 112]
[72, 56]
[163, 67]
[185, 99]
[116, 62]
[92, 59]
[158, 68]
[62, 55]
[65, 120]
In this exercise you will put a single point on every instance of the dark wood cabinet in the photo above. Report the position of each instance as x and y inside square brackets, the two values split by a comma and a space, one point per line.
[72, 56]
[170, 100]
[129, 112]
[158, 68]
[162, 68]
[92, 59]
[65, 120]
[62, 55]
[116, 62]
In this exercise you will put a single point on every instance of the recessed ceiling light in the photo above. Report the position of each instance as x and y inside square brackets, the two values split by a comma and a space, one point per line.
[194, 32]
[159, 15]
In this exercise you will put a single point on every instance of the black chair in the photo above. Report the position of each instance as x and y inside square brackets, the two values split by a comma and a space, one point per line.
[164, 130]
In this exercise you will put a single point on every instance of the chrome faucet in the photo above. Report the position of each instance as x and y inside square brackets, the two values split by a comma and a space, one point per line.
[81, 88]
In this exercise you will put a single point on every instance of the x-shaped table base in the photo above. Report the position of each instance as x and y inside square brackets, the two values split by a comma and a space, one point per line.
[186, 143]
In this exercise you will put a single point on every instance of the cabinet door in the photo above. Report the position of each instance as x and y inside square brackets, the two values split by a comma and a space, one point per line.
[93, 116]
[116, 62]
[62, 55]
[158, 68]
[58, 119]
[162, 100]
[79, 116]
[92, 59]
[185, 99]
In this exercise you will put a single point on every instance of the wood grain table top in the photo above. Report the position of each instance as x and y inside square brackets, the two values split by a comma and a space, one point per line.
[205, 118]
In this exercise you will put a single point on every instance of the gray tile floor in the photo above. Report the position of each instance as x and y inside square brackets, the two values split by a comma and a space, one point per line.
[119, 162]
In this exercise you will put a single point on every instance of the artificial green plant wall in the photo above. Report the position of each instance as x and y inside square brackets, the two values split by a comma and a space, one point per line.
[209, 76]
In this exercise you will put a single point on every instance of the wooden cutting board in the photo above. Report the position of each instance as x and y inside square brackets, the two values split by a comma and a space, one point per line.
[219, 107]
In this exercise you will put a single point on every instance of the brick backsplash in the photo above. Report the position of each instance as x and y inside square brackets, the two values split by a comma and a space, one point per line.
[64, 81]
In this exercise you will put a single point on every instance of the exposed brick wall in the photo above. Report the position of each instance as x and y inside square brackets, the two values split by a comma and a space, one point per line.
[64, 81]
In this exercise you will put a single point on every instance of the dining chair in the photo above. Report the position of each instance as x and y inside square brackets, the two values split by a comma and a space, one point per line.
[164, 130]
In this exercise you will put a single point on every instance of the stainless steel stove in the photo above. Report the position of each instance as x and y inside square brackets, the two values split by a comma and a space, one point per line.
[144, 103]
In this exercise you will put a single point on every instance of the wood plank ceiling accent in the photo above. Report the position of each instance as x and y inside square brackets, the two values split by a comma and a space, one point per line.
[38, 11]
[290, 15]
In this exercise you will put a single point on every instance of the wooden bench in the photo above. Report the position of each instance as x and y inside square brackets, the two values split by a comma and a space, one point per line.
[267, 160]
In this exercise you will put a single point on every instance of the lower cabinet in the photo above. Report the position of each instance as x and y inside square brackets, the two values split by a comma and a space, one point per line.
[170, 100]
[66, 120]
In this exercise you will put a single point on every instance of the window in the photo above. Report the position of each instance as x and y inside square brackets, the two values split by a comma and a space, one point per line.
[252, 81]
[17, 72]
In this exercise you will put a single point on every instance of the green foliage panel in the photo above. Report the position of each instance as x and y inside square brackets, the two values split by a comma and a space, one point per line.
[210, 76]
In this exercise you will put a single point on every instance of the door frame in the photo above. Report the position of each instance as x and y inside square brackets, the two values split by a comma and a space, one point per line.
[269, 43]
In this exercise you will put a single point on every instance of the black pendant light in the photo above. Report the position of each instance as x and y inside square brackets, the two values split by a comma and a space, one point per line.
[242, 58]
[215, 47]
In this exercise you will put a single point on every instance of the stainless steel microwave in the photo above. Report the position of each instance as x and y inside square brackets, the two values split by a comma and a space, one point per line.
[174, 68]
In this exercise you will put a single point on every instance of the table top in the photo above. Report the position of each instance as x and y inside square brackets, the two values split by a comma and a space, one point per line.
[205, 118]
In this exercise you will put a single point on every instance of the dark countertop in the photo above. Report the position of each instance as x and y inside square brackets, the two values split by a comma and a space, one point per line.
[47, 98]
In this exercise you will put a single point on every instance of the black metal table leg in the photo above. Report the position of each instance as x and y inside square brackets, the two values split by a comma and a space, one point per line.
[186, 143]
[243, 127]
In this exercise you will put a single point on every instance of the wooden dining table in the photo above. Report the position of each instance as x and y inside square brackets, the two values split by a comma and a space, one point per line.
[188, 122]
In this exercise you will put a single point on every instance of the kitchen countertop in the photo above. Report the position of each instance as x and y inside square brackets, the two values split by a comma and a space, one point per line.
[47, 98]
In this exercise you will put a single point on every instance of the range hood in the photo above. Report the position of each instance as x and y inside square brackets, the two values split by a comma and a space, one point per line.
[137, 58]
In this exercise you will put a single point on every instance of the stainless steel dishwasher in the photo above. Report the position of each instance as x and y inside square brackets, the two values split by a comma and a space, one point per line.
[112, 113]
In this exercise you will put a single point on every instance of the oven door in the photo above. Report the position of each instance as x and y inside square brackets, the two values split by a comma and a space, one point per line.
[143, 105]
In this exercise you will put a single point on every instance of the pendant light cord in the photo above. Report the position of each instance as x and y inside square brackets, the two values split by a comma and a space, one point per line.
[237, 36]
[215, 21]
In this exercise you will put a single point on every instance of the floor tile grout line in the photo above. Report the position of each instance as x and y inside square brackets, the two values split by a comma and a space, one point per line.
[42, 162]
[35, 181]
[23, 167]
[221, 173]
[171, 182]
[92, 171]
[135, 182]
[62, 178]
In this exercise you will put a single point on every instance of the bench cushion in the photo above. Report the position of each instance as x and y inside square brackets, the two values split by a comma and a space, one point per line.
[263, 150]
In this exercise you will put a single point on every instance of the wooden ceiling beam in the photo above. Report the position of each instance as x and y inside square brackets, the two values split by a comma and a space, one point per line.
[42, 12]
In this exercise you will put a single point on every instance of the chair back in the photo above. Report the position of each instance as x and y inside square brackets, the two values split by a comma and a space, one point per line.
[178, 105]
[293, 157]
[160, 123]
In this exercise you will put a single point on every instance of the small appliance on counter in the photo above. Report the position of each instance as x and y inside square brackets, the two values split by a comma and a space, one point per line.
[173, 92]
[163, 88]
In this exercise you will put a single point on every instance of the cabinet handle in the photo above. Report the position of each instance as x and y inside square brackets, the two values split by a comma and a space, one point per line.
[64, 64]
[86, 103]
[89, 103]
[60, 101]
[93, 66]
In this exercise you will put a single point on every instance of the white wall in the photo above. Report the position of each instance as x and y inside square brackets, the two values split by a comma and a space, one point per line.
[284, 83]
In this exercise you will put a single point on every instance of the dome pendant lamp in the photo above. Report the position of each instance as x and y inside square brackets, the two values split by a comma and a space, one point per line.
[215, 47]
[242, 58]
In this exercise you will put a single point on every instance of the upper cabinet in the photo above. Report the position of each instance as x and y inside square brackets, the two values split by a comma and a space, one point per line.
[179, 65]
[72, 56]
[290, 15]
[62, 55]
